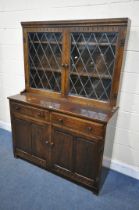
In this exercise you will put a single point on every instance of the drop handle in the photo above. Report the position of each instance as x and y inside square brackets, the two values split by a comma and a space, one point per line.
[46, 142]
[40, 114]
[17, 108]
[89, 128]
[60, 120]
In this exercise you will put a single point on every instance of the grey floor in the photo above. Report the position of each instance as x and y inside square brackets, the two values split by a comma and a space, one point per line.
[24, 186]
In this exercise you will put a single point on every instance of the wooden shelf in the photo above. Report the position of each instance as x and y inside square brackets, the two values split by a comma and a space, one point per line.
[90, 74]
[46, 42]
[81, 74]
[45, 69]
[76, 43]
[93, 43]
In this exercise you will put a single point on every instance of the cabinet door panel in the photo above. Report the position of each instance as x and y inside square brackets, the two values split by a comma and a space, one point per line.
[40, 139]
[45, 59]
[85, 158]
[22, 135]
[92, 64]
[62, 150]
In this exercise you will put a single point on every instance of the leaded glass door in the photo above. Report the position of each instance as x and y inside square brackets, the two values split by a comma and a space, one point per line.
[45, 58]
[92, 60]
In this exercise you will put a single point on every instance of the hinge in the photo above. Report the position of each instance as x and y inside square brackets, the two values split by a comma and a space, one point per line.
[115, 96]
[122, 42]
[97, 179]
[24, 40]
[101, 150]
[23, 91]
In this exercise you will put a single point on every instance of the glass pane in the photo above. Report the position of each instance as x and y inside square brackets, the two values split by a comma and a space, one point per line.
[92, 63]
[45, 54]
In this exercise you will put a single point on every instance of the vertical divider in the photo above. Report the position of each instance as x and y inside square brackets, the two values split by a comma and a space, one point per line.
[26, 62]
[65, 62]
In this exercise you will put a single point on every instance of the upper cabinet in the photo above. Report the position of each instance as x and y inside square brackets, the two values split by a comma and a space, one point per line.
[79, 60]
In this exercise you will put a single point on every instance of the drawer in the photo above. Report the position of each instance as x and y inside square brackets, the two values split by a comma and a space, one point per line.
[77, 124]
[30, 111]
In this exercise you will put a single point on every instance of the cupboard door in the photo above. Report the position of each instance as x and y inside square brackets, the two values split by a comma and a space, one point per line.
[22, 135]
[40, 139]
[45, 59]
[62, 150]
[92, 62]
[85, 159]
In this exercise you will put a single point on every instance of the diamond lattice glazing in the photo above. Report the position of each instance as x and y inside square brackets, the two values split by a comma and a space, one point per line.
[92, 64]
[45, 51]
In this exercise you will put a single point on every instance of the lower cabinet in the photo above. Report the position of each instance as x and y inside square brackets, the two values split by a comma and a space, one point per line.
[58, 149]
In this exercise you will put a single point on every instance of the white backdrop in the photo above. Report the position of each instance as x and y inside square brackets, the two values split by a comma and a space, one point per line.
[125, 155]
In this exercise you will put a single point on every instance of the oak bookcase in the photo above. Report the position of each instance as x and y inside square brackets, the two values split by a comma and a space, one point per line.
[72, 73]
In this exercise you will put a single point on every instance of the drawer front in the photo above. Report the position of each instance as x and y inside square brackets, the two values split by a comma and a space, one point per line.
[30, 111]
[83, 126]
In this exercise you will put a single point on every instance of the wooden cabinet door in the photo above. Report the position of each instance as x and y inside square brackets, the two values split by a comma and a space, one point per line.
[40, 139]
[32, 138]
[85, 158]
[62, 151]
[22, 135]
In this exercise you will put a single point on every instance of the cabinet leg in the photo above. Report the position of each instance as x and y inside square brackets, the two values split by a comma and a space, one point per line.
[96, 192]
[15, 155]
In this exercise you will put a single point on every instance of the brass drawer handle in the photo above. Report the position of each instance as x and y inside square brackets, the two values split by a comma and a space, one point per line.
[60, 120]
[89, 128]
[39, 114]
[17, 108]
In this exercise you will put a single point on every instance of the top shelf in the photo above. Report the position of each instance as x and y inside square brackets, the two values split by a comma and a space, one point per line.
[76, 43]
[46, 42]
[93, 43]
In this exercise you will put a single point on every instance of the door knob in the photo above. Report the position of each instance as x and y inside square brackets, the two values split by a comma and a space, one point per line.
[65, 65]
[52, 144]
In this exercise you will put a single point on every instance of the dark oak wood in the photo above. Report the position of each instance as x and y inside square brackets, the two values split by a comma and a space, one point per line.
[62, 150]
[106, 22]
[22, 131]
[59, 126]
[40, 141]
[85, 158]
[81, 125]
